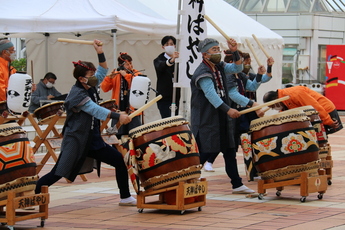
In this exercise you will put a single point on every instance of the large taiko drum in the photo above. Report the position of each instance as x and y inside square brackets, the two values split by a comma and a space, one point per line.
[320, 130]
[166, 152]
[284, 145]
[46, 112]
[17, 163]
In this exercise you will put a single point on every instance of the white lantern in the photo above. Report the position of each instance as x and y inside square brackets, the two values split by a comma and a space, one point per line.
[139, 92]
[19, 92]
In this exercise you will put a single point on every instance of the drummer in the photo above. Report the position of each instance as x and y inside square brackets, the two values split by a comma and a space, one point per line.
[82, 142]
[210, 108]
[45, 90]
[7, 55]
[303, 96]
[119, 81]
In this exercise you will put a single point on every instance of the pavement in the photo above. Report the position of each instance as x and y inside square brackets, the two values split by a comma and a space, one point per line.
[94, 204]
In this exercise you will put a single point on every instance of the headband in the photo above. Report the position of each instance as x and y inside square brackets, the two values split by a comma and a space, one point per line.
[124, 60]
[6, 46]
[83, 65]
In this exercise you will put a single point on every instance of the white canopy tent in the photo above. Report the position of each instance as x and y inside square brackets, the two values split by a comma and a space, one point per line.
[139, 25]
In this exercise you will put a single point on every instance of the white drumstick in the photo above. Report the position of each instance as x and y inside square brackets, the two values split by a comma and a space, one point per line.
[142, 108]
[253, 52]
[77, 41]
[263, 105]
[261, 46]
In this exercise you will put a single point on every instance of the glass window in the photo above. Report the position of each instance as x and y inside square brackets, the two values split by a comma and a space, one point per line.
[299, 6]
[321, 68]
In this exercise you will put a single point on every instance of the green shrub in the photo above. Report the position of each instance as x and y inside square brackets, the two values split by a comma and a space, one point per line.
[19, 64]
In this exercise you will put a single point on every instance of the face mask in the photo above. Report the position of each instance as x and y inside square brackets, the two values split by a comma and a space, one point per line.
[246, 69]
[169, 49]
[215, 58]
[12, 55]
[49, 85]
[91, 81]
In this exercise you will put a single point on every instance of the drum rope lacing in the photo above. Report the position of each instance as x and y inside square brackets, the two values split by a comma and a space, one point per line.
[172, 179]
[278, 120]
[274, 174]
[15, 186]
[10, 130]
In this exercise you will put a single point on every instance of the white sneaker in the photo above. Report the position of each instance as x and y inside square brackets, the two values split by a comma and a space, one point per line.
[129, 201]
[242, 190]
[208, 167]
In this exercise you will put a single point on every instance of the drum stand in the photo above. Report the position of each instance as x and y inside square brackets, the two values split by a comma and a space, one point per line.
[18, 118]
[308, 184]
[20, 201]
[50, 143]
[192, 189]
[327, 164]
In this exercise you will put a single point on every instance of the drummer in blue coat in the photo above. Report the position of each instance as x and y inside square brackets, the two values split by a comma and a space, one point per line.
[82, 142]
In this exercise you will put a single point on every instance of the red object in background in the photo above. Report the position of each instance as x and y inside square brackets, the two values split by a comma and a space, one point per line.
[335, 75]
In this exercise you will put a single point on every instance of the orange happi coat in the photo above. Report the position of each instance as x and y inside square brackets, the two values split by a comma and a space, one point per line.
[303, 96]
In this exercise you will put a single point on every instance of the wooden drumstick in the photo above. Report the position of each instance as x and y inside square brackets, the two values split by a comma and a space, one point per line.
[265, 110]
[261, 46]
[263, 105]
[253, 52]
[78, 41]
[217, 28]
[142, 108]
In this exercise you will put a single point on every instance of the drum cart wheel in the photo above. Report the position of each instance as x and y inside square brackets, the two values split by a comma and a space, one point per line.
[278, 193]
[320, 196]
[261, 196]
[329, 182]
[140, 210]
[42, 223]
[182, 212]
[200, 209]
[303, 199]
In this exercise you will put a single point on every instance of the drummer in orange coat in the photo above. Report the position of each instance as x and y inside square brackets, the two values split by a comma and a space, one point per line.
[120, 81]
[303, 96]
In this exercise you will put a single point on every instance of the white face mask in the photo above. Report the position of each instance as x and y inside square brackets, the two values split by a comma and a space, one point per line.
[169, 49]
[12, 55]
[49, 85]
[279, 108]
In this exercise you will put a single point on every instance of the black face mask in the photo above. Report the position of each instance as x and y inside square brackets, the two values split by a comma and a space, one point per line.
[92, 81]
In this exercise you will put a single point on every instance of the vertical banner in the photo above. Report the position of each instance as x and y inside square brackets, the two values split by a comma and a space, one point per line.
[193, 29]
[335, 75]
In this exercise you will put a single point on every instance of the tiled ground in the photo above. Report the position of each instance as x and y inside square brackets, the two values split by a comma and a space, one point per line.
[94, 204]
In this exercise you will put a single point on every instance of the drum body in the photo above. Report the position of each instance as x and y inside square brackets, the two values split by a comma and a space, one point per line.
[320, 130]
[284, 145]
[109, 104]
[17, 167]
[166, 152]
[46, 112]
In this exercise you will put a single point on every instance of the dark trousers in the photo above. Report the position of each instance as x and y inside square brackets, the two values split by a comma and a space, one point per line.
[108, 155]
[164, 108]
[230, 165]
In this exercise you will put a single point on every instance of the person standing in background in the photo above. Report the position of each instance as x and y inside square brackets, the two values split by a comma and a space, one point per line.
[7, 55]
[165, 65]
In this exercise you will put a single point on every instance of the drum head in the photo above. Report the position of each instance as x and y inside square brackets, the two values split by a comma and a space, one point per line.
[157, 126]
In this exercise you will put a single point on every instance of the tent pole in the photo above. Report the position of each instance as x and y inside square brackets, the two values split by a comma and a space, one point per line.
[173, 102]
[46, 50]
[113, 31]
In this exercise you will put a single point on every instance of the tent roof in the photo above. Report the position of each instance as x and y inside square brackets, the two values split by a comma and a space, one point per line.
[232, 21]
[78, 16]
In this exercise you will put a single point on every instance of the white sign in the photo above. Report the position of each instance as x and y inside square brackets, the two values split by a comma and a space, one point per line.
[193, 29]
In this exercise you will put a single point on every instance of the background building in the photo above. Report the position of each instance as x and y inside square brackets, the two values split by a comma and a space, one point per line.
[307, 26]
